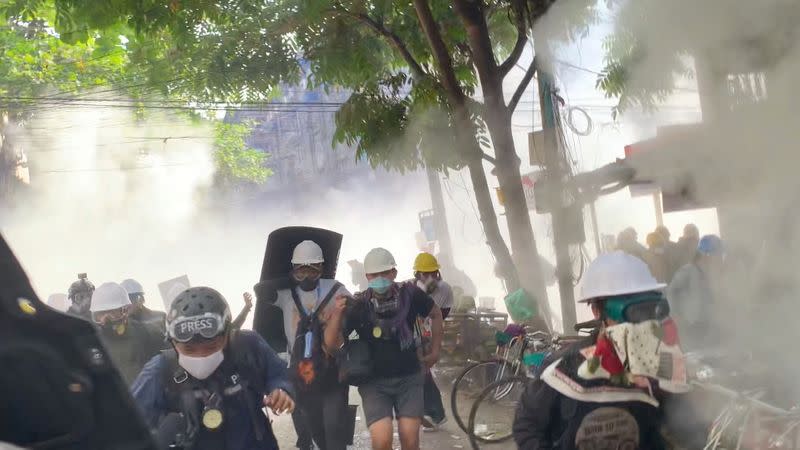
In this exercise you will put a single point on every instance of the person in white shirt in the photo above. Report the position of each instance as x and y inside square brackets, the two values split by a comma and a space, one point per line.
[429, 279]
[322, 412]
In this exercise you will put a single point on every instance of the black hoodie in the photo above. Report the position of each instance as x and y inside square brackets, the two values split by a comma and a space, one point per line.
[548, 419]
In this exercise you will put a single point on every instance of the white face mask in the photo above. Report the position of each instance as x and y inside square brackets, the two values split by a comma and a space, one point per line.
[201, 367]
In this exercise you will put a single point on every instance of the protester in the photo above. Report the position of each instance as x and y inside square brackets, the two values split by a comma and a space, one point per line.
[687, 245]
[248, 305]
[129, 342]
[209, 391]
[384, 316]
[692, 292]
[428, 278]
[322, 401]
[628, 242]
[80, 294]
[588, 398]
[153, 319]
[656, 257]
[672, 252]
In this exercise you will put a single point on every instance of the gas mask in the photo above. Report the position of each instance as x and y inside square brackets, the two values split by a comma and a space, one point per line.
[427, 283]
[113, 322]
[118, 327]
[307, 277]
[82, 301]
[201, 367]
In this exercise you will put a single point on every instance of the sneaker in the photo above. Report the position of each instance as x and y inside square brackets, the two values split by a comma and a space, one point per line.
[428, 424]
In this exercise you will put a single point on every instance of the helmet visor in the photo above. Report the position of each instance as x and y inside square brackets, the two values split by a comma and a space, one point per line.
[207, 326]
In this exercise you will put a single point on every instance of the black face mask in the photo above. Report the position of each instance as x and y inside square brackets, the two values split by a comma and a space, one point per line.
[309, 284]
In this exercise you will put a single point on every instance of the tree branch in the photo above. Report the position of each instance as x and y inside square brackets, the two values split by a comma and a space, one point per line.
[522, 39]
[512, 104]
[440, 52]
[472, 16]
[393, 38]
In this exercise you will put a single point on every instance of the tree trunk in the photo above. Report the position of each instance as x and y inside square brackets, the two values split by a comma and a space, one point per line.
[473, 154]
[520, 228]
[468, 144]
[498, 119]
[483, 196]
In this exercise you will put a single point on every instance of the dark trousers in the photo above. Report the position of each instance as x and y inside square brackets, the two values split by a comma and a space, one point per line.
[326, 416]
[433, 399]
[304, 439]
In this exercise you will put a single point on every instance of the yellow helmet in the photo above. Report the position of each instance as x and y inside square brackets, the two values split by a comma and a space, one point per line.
[426, 262]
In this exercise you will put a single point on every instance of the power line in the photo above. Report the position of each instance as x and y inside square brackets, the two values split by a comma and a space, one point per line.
[116, 169]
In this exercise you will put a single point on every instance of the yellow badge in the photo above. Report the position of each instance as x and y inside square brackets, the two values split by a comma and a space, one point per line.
[120, 329]
[212, 419]
[377, 332]
[26, 306]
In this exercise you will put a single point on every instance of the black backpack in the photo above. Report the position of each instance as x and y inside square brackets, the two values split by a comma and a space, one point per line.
[312, 370]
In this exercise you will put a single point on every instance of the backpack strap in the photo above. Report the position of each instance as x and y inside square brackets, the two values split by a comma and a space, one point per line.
[322, 304]
[180, 394]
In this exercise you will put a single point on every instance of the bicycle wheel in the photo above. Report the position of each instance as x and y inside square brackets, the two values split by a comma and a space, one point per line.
[471, 382]
[492, 415]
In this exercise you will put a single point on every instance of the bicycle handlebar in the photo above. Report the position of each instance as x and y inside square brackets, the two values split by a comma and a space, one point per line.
[589, 325]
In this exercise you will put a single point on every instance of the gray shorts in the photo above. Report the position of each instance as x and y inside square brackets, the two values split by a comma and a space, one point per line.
[393, 397]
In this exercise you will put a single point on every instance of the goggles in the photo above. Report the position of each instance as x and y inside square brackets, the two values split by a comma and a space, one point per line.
[304, 272]
[114, 315]
[207, 326]
[637, 308]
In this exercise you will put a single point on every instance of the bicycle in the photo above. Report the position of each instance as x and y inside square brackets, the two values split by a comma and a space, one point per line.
[487, 422]
[492, 416]
[508, 362]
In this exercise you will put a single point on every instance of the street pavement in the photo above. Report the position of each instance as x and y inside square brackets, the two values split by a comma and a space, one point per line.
[448, 437]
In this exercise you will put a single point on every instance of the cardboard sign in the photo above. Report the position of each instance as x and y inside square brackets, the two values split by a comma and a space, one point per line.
[171, 288]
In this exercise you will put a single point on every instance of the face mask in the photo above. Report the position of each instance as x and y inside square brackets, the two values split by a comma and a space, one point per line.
[201, 367]
[427, 284]
[380, 285]
[118, 327]
[309, 284]
[638, 346]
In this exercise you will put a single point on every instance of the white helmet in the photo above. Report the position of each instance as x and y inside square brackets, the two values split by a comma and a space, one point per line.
[378, 260]
[59, 302]
[132, 286]
[616, 273]
[307, 252]
[109, 296]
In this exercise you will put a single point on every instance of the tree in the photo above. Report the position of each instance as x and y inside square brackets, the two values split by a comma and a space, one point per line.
[40, 68]
[237, 163]
[627, 51]
[34, 61]
[413, 66]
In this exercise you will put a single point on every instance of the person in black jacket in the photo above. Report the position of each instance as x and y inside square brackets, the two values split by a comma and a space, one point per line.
[588, 398]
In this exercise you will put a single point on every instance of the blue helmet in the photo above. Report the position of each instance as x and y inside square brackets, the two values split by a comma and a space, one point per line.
[711, 245]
